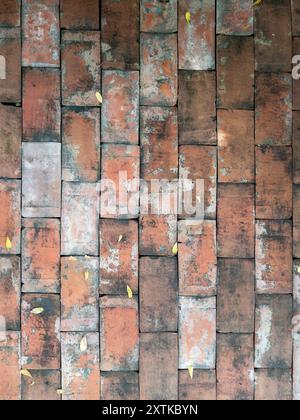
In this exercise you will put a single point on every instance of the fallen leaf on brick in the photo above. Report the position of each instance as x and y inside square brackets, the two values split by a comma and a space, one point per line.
[175, 249]
[299, 270]
[188, 17]
[73, 259]
[86, 275]
[60, 392]
[129, 292]
[26, 373]
[8, 244]
[99, 97]
[37, 311]
[191, 371]
[83, 344]
[120, 238]
[257, 2]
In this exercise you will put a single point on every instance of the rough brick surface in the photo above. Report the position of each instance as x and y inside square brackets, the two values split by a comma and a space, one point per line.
[157, 235]
[296, 17]
[46, 385]
[10, 13]
[10, 220]
[79, 14]
[296, 147]
[10, 386]
[123, 386]
[273, 385]
[201, 388]
[235, 18]
[10, 84]
[10, 291]
[159, 16]
[296, 221]
[10, 142]
[296, 86]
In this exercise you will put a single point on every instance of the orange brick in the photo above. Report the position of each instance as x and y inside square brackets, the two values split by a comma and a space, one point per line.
[79, 14]
[10, 87]
[123, 386]
[10, 142]
[10, 385]
[201, 388]
[158, 235]
[10, 13]
[10, 220]
[159, 16]
[235, 18]
[10, 291]
[296, 221]
[273, 385]
[296, 146]
[46, 385]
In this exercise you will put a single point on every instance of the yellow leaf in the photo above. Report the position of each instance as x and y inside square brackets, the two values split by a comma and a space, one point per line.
[73, 259]
[60, 392]
[8, 244]
[86, 275]
[257, 2]
[37, 311]
[26, 372]
[129, 292]
[99, 97]
[299, 270]
[191, 371]
[188, 17]
[175, 249]
[120, 238]
[83, 344]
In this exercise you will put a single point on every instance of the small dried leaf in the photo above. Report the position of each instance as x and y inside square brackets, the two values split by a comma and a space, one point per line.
[298, 270]
[26, 372]
[258, 2]
[120, 238]
[188, 17]
[99, 97]
[83, 344]
[86, 275]
[129, 292]
[37, 311]
[60, 392]
[175, 249]
[73, 259]
[8, 244]
[191, 371]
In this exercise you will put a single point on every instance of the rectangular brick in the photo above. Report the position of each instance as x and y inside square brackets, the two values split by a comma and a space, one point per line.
[80, 367]
[296, 17]
[235, 72]
[273, 338]
[10, 220]
[296, 367]
[197, 118]
[79, 14]
[81, 144]
[236, 146]
[46, 385]
[273, 183]
[159, 75]
[41, 33]
[10, 291]
[41, 349]
[119, 256]
[10, 385]
[120, 386]
[296, 221]
[158, 295]
[235, 18]
[273, 112]
[236, 221]
[41, 256]
[197, 332]
[296, 285]
[80, 52]
[41, 179]
[41, 105]
[235, 369]
[159, 366]
[159, 16]
[196, 40]
[295, 82]
[120, 108]
[10, 141]
[296, 147]
[10, 13]
[119, 334]
[273, 385]
[236, 296]
[201, 388]
[80, 203]
[120, 34]
[10, 85]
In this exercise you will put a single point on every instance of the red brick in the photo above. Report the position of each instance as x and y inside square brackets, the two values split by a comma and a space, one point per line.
[296, 354]
[123, 386]
[80, 54]
[201, 388]
[10, 385]
[120, 108]
[235, 18]
[10, 13]
[235, 369]
[119, 334]
[80, 368]
[273, 385]
[236, 146]
[10, 220]
[10, 142]
[273, 40]
[41, 256]
[119, 255]
[197, 333]
[159, 16]
[273, 338]
[296, 83]
[197, 253]
[41, 33]
[79, 14]
[197, 118]
[41, 105]
[46, 385]
[296, 286]
[79, 294]
[41, 180]
[158, 295]
[159, 69]
[296, 147]
[296, 17]
[235, 72]
[41, 333]
[273, 112]
[159, 366]
[274, 183]
[274, 260]
[10, 87]
[296, 221]
[80, 203]
[81, 145]
[158, 234]
[236, 221]
[10, 291]
[196, 40]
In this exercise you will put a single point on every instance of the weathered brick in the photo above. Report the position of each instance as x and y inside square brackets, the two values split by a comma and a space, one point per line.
[235, 369]
[296, 221]
[80, 52]
[80, 203]
[197, 118]
[79, 294]
[196, 40]
[10, 13]
[120, 108]
[79, 14]
[296, 17]
[201, 388]
[159, 16]
[236, 221]
[197, 333]
[296, 83]
[273, 338]
[41, 256]
[123, 386]
[10, 142]
[273, 385]
[41, 33]
[41, 333]
[10, 84]
[273, 183]
[235, 72]
[236, 146]
[296, 364]
[119, 255]
[10, 291]
[296, 147]
[10, 384]
[235, 18]
[273, 112]
[41, 180]
[119, 334]
[80, 368]
[159, 366]
[159, 69]
[158, 295]
[236, 296]
[81, 144]
[10, 220]
[41, 105]
[296, 285]
[46, 385]
[273, 43]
